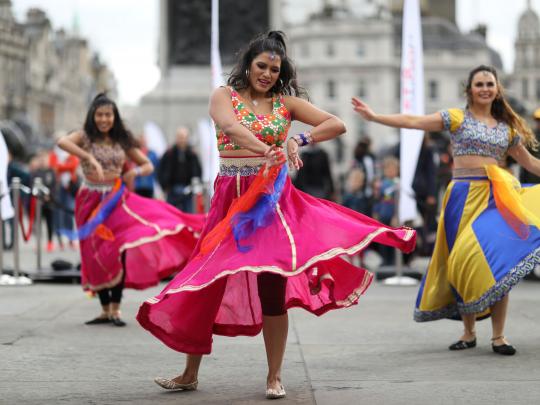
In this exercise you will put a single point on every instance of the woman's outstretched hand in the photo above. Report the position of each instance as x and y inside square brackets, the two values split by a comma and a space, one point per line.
[363, 109]
[294, 159]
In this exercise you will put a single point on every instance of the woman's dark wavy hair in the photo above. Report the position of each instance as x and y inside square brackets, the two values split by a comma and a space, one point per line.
[501, 109]
[118, 133]
[273, 41]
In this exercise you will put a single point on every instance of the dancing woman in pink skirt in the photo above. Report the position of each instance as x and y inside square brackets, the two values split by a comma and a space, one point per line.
[125, 240]
[266, 246]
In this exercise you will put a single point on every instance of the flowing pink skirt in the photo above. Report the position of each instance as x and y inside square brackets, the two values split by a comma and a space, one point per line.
[217, 293]
[156, 237]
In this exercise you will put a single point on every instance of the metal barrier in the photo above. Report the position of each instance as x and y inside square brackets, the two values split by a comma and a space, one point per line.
[39, 190]
[17, 278]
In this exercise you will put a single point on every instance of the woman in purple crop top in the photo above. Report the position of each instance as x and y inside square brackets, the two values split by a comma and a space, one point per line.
[488, 236]
[125, 240]
[290, 257]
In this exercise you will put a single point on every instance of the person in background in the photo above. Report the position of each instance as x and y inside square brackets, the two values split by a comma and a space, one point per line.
[315, 178]
[365, 160]
[67, 184]
[355, 196]
[425, 192]
[144, 185]
[384, 209]
[39, 167]
[177, 168]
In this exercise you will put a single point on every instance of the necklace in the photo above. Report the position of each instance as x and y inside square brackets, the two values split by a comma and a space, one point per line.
[255, 102]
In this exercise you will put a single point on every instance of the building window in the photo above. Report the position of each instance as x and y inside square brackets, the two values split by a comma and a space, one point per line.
[525, 88]
[360, 50]
[538, 89]
[331, 89]
[330, 50]
[433, 90]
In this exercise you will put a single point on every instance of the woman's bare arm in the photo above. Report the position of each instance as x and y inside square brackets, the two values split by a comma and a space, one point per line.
[71, 143]
[431, 122]
[325, 125]
[525, 159]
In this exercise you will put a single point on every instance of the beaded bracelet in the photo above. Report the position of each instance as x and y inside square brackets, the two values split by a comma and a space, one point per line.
[303, 139]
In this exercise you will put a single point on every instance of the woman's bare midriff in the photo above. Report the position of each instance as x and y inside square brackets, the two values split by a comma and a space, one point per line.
[238, 153]
[472, 162]
[108, 178]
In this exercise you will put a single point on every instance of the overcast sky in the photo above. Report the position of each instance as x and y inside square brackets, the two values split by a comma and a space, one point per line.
[125, 32]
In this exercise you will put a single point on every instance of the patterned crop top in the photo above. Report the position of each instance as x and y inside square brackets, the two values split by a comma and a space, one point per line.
[111, 157]
[472, 137]
[271, 128]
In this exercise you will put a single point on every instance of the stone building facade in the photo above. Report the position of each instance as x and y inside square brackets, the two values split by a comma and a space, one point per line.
[47, 76]
[339, 55]
[525, 80]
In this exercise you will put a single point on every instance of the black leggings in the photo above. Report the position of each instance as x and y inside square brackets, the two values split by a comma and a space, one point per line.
[272, 289]
[114, 294]
[111, 295]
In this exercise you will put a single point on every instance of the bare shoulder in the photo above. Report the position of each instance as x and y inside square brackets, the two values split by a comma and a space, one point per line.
[292, 102]
[221, 93]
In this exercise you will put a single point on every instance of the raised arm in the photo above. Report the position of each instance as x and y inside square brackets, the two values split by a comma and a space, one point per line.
[431, 122]
[325, 125]
[72, 143]
[525, 159]
[222, 112]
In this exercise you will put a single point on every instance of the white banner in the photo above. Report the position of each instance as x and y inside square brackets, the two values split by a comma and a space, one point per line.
[412, 102]
[207, 133]
[209, 153]
[5, 199]
[215, 57]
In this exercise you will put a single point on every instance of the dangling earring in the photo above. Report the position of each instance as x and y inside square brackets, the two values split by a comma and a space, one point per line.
[281, 83]
[247, 75]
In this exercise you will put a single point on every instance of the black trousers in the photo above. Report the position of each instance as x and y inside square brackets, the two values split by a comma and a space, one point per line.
[113, 295]
[271, 288]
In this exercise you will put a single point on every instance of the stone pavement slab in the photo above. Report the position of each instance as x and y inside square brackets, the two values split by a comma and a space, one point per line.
[369, 354]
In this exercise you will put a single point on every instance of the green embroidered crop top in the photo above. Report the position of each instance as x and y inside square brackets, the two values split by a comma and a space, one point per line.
[269, 128]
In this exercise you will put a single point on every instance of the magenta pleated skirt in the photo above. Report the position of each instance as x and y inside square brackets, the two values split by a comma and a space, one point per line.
[157, 240]
[216, 293]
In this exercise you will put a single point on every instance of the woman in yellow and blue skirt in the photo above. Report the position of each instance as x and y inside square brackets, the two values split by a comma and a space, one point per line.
[488, 236]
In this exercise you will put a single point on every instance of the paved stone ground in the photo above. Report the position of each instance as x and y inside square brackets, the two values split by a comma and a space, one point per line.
[371, 354]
